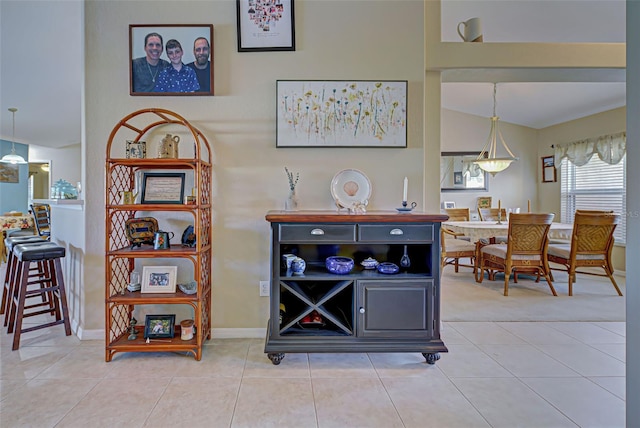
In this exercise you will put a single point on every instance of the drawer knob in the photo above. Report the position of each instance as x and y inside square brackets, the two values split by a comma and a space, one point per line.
[317, 232]
[396, 232]
[361, 310]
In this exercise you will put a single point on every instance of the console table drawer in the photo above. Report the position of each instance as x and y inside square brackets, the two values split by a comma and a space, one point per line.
[395, 233]
[317, 232]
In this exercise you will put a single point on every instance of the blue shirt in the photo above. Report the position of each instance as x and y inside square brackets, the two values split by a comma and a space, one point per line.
[172, 80]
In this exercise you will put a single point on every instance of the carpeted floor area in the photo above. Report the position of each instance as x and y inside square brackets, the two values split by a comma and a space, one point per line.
[594, 298]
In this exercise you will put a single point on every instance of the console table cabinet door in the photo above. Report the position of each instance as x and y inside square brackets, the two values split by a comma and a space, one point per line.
[395, 309]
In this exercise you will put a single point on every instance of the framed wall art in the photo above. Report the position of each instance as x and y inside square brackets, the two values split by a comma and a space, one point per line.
[341, 113]
[136, 149]
[159, 326]
[9, 173]
[159, 279]
[548, 169]
[171, 59]
[265, 25]
[162, 188]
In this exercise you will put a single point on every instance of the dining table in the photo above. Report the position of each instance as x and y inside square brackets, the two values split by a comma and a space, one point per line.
[476, 230]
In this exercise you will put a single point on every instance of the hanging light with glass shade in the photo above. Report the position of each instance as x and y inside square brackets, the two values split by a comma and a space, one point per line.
[13, 157]
[488, 159]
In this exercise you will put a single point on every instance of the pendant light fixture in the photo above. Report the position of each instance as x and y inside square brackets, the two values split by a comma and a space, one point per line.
[488, 159]
[13, 157]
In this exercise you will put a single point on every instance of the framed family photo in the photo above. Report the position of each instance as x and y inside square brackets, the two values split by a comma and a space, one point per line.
[159, 326]
[171, 59]
[159, 279]
[341, 113]
[265, 25]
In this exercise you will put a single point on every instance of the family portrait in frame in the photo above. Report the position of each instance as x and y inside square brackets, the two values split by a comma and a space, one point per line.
[171, 59]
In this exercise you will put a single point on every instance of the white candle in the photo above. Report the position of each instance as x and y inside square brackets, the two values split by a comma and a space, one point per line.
[499, 206]
[404, 192]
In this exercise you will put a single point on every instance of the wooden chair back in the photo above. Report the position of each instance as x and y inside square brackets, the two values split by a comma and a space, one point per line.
[593, 233]
[526, 250]
[42, 218]
[458, 214]
[591, 245]
[491, 214]
[528, 234]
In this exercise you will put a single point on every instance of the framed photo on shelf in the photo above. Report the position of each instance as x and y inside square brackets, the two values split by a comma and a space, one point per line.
[341, 113]
[159, 279]
[449, 205]
[136, 149]
[159, 326]
[548, 169]
[265, 25]
[162, 188]
[150, 70]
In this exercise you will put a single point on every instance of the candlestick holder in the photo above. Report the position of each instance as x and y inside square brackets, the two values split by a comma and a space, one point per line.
[406, 207]
[499, 217]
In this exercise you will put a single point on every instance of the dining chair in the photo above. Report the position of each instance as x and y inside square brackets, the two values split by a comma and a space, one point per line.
[42, 219]
[525, 250]
[458, 214]
[454, 249]
[591, 245]
[491, 214]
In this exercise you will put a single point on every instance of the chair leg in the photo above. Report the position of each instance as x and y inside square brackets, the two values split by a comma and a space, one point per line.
[547, 276]
[613, 281]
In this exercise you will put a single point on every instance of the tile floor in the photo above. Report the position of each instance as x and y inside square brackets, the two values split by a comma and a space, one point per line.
[496, 374]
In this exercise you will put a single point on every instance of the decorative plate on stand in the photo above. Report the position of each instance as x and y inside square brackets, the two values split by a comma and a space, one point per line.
[350, 188]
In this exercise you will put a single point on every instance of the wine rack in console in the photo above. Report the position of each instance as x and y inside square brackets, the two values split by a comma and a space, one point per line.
[364, 310]
[194, 159]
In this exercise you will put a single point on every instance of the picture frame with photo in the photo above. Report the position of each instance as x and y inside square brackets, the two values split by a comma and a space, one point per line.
[449, 205]
[151, 72]
[159, 326]
[265, 25]
[159, 279]
[136, 149]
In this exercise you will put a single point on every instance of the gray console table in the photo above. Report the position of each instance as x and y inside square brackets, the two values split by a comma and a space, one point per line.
[363, 311]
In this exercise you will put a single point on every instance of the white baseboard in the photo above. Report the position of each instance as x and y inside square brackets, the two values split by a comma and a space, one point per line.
[216, 333]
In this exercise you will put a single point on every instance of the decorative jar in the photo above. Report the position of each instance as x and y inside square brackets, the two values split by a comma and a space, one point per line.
[339, 265]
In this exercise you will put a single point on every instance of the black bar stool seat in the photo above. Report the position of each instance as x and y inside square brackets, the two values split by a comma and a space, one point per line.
[51, 284]
[9, 274]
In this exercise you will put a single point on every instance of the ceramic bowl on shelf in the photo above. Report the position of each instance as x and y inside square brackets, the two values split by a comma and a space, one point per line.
[369, 263]
[339, 265]
[388, 268]
[189, 287]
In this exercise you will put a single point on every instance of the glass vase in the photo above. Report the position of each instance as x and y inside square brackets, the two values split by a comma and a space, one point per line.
[291, 203]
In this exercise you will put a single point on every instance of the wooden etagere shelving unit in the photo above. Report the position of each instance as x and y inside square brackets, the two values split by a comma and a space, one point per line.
[120, 258]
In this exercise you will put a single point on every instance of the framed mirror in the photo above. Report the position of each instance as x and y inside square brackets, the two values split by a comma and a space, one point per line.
[458, 173]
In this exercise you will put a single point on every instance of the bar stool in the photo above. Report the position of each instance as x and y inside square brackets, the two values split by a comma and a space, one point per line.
[51, 284]
[9, 274]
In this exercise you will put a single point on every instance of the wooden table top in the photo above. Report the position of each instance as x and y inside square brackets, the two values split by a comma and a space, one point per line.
[330, 216]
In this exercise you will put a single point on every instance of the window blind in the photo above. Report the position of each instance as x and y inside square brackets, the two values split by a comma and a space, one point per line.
[594, 186]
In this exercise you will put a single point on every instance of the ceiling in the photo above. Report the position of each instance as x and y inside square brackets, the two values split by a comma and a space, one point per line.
[49, 97]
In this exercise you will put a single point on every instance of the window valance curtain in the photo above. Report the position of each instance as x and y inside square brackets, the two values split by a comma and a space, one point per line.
[610, 148]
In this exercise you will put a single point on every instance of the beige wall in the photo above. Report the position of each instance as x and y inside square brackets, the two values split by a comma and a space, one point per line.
[334, 41]
[513, 187]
